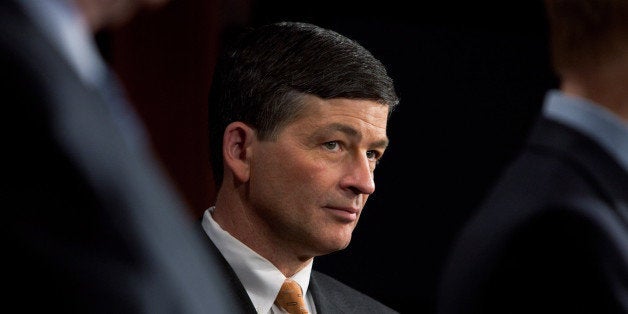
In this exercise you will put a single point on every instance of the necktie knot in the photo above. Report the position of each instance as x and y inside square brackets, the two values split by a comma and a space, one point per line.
[290, 298]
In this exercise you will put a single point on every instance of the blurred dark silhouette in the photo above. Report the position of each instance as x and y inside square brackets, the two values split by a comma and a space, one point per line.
[552, 233]
[93, 223]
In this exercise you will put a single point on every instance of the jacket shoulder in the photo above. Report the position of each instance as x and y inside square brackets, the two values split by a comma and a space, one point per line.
[332, 296]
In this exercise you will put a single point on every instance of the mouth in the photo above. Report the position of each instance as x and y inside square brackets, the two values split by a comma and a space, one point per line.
[344, 214]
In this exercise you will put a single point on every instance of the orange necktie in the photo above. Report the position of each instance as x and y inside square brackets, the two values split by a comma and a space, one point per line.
[290, 298]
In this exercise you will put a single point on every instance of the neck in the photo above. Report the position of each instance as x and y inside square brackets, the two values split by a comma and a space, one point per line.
[604, 84]
[240, 221]
[111, 14]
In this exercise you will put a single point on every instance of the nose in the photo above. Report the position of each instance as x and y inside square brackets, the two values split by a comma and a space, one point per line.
[359, 176]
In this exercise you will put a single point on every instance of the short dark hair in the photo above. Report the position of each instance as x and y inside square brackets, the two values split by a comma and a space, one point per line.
[585, 32]
[262, 76]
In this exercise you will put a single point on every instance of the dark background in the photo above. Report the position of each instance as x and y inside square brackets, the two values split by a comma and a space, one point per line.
[471, 77]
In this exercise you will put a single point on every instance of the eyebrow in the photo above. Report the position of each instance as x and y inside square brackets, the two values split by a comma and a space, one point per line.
[355, 134]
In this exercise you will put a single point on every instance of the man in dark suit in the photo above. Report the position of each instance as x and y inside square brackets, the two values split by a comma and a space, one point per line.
[298, 118]
[91, 222]
[552, 236]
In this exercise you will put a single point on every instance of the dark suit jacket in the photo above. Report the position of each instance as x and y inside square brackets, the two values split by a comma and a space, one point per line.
[330, 295]
[552, 236]
[90, 225]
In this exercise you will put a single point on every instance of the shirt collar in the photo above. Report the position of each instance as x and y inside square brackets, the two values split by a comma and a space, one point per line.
[67, 30]
[597, 122]
[261, 279]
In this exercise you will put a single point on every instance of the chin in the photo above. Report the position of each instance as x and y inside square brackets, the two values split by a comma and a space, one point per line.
[330, 246]
[342, 244]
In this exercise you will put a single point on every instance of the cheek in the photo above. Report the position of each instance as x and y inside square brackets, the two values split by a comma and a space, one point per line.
[290, 172]
[298, 178]
[300, 175]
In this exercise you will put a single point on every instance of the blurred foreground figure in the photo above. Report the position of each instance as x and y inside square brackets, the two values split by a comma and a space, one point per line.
[552, 236]
[91, 222]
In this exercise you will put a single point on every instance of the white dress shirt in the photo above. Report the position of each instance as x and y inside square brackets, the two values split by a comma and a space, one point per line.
[261, 279]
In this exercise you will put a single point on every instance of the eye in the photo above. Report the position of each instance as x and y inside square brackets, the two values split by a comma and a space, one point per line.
[333, 145]
[373, 155]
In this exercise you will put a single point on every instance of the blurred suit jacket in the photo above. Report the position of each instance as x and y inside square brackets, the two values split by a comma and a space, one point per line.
[552, 236]
[91, 224]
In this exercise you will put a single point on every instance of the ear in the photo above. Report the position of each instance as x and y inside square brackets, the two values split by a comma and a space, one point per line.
[236, 149]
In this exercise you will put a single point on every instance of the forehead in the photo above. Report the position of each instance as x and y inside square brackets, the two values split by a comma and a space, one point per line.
[359, 112]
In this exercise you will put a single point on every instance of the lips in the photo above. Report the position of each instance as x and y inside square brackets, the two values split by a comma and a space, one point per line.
[349, 209]
[345, 213]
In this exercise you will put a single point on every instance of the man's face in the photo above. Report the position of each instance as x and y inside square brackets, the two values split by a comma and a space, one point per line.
[311, 184]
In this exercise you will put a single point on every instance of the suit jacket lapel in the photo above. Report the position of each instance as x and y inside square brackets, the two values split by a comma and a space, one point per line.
[235, 290]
